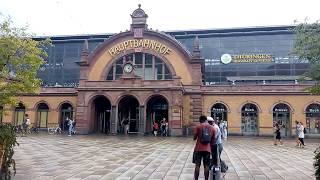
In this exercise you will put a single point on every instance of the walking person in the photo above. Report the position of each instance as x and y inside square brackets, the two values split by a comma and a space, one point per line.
[297, 134]
[25, 125]
[74, 127]
[167, 128]
[204, 133]
[155, 128]
[163, 127]
[70, 126]
[216, 146]
[301, 134]
[277, 134]
[223, 129]
[125, 125]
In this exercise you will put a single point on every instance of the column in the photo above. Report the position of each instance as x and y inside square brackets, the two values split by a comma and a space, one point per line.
[113, 119]
[142, 127]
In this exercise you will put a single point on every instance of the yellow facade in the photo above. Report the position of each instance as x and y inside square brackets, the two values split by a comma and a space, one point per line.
[30, 102]
[265, 104]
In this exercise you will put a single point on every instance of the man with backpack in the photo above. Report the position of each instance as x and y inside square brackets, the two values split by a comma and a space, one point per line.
[204, 133]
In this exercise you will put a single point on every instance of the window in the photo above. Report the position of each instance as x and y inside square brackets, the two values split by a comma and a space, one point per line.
[19, 114]
[147, 66]
[42, 115]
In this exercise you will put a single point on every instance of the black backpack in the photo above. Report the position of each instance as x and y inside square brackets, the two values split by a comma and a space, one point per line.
[304, 130]
[205, 135]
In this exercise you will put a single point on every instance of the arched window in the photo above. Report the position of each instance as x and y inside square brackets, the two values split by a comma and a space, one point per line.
[147, 66]
[66, 111]
[1, 113]
[313, 119]
[42, 115]
[19, 114]
[249, 119]
[282, 116]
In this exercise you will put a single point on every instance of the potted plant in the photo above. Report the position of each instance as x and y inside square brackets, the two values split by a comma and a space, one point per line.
[7, 142]
[316, 163]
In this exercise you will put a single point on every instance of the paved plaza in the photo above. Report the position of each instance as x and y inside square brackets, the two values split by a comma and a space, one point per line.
[118, 157]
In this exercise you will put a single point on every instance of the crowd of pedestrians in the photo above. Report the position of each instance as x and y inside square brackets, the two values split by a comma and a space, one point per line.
[161, 128]
[300, 133]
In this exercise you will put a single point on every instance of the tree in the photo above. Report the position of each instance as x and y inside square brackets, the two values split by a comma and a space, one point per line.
[20, 59]
[307, 47]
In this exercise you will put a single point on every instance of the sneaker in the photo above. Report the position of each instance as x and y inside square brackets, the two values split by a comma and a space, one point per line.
[69, 135]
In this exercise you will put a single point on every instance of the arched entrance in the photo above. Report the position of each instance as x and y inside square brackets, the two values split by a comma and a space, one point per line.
[219, 111]
[101, 116]
[313, 119]
[282, 116]
[42, 115]
[19, 114]
[157, 109]
[128, 113]
[66, 110]
[249, 119]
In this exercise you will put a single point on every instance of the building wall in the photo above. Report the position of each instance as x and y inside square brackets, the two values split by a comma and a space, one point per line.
[31, 102]
[265, 104]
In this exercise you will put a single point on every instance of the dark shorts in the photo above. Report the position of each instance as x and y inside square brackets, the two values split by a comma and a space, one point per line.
[198, 155]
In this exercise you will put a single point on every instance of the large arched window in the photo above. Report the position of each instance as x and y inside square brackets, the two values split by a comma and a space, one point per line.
[42, 115]
[147, 66]
[20, 111]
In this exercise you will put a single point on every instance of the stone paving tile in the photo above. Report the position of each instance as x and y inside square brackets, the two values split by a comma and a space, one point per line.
[99, 157]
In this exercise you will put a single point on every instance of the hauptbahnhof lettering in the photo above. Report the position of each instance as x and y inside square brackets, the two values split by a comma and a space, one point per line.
[244, 76]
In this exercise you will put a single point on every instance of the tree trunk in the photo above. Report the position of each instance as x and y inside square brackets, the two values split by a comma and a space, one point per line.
[1, 157]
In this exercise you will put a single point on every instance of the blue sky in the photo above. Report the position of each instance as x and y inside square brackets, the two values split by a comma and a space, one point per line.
[70, 17]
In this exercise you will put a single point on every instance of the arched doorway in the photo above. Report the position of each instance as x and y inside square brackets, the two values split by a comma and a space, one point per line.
[313, 119]
[128, 110]
[249, 119]
[282, 116]
[157, 109]
[101, 116]
[66, 110]
[42, 115]
[19, 113]
[219, 111]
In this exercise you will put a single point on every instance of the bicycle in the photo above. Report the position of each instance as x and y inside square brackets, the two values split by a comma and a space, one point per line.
[34, 130]
[54, 130]
[18, 130]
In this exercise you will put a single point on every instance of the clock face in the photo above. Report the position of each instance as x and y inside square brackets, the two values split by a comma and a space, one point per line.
[128, 68]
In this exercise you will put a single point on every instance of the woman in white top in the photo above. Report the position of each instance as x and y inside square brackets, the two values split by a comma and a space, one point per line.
[223, 129]
[301, 134]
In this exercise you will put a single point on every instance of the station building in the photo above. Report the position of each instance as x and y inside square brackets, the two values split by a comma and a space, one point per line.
[244, 76]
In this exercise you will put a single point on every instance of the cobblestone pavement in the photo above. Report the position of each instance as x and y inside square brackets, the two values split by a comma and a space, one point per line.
[123, 158]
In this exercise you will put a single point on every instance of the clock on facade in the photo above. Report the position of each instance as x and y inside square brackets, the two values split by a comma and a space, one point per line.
[128, 68]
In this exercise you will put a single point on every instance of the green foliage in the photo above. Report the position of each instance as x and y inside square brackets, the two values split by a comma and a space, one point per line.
[8, 140]
[316, 163]
[307, 47]
[20, 59]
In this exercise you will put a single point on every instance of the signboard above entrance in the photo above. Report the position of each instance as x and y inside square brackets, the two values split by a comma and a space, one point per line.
[246, 58]
[138, 44]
